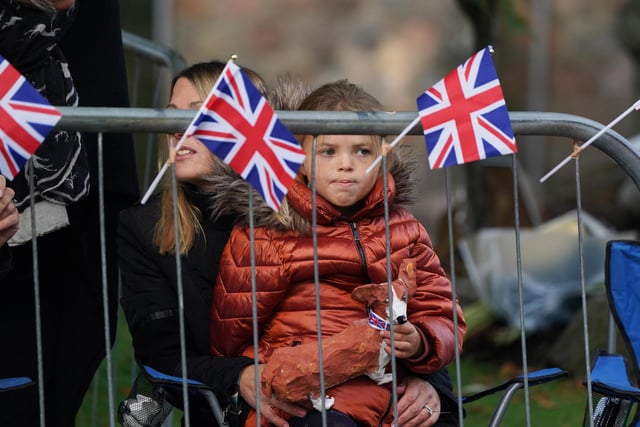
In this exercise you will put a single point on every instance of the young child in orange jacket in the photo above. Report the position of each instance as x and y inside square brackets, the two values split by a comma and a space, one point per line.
[351, 251]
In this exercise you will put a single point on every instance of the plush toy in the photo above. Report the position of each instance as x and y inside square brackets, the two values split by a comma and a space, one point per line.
[293, 373]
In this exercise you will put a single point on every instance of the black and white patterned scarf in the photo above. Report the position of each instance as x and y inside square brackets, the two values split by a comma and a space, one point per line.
[29, 41]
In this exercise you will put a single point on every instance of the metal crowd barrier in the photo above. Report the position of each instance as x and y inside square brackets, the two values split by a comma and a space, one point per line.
[158, 63]
[154, 121]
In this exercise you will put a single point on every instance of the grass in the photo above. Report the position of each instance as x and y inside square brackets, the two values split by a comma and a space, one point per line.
[560, 403]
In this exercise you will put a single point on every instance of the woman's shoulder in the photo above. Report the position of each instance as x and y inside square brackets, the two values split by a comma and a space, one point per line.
[141, 215]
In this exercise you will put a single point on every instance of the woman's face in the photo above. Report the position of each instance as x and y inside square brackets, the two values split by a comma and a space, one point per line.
[194, 161]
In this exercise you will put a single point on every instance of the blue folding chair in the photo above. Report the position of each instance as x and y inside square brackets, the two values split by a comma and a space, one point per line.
[174, 386]
[197, 389]
[609, 373]
[15, 383]
[510, 388]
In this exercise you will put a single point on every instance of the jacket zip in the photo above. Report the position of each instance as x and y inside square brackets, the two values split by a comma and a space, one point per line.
[363, 261]
[356, 237]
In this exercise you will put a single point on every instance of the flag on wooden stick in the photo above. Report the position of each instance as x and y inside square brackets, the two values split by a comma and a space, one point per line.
[26, 118]
[464, 116]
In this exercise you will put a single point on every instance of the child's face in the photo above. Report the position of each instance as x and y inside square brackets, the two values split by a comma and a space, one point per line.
[341, 164]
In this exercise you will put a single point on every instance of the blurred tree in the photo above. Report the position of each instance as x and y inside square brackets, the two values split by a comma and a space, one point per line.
[481, 14]
[489, 189]
[628, 24]
[627, 31]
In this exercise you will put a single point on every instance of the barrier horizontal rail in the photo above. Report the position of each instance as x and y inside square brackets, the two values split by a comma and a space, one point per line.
[530, 123]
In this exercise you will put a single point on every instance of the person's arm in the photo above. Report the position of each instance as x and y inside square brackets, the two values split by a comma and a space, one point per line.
[5, 259]
[435, 391]
[442, 383]
[431, 309]
[151, 309]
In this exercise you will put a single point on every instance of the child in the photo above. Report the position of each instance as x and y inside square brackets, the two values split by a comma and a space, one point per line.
[351, 251]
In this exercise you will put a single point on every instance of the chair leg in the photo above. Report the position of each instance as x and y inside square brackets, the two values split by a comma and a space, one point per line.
[610, 412]
[215, 407]
[498, 414]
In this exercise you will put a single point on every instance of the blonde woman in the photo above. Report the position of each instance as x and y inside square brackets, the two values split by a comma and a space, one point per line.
[147, 248]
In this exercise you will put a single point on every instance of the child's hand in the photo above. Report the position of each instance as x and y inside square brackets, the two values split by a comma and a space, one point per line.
[407, 340]
[247, 390]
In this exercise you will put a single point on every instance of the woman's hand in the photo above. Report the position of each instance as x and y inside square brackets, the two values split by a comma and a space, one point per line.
[248, 393]
[9, 217]
[418, 403]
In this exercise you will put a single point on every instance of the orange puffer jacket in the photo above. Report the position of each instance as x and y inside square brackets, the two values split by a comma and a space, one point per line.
[350, 252]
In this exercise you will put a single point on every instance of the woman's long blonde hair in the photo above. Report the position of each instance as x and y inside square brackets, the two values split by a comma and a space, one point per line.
[203, 76]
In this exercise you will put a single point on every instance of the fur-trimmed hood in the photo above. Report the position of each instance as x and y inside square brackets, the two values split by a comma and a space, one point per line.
[230, 193]
[230, 196]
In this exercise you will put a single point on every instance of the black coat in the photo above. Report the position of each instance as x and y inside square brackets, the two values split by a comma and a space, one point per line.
[150, 298]
[70, 259]
[5, 259]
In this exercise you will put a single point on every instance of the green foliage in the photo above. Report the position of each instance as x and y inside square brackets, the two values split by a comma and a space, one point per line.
[513, 19]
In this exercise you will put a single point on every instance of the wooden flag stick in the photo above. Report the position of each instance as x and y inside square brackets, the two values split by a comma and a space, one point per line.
[635, 106]
[163, 169]
[394, 143]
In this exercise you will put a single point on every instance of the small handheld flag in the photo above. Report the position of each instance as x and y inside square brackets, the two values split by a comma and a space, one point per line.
[237, 124]
[464, 116]
[26, 118]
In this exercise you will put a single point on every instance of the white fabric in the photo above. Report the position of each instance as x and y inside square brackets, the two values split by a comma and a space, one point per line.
[49, 217]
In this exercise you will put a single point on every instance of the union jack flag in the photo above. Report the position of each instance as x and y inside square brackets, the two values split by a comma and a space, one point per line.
[238, 125]
[378, 322]
[26, 118]
[464, 116]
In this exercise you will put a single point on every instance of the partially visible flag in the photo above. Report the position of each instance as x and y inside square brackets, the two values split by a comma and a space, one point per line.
[464, 115]
[238, 125]
[26, 118]
[377, 322]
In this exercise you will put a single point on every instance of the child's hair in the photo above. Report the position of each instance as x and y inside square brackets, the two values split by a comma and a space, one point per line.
[287, 92]
[203, 76]
[342, 95]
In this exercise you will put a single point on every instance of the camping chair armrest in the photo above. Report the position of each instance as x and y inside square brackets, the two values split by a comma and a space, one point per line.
[535, 378]
[175, 384]
[15, 383]
[511, 387]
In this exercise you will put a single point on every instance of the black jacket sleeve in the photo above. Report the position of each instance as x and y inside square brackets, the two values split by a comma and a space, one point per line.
[150, 304]
[5, 259]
